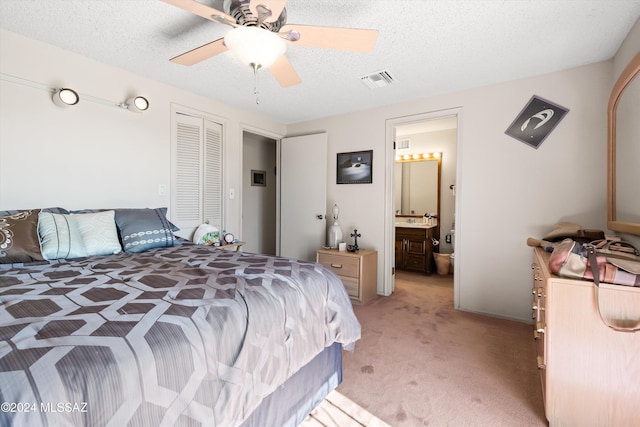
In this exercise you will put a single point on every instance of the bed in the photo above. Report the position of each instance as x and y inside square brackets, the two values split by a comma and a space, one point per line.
[178, 334]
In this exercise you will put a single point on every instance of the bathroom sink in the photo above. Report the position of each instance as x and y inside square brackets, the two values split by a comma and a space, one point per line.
[413, 225]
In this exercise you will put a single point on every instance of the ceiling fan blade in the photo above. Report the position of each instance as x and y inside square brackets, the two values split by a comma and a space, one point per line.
[201, 53]
[200, 9]
[353, 39]
[275, 6]
[284, 73]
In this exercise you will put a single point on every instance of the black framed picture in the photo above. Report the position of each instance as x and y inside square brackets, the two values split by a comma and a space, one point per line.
[536, 121]
[258, 178]
[355, 167]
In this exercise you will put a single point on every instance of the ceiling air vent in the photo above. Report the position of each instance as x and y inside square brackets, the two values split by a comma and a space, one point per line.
[378, 79]
[402, 144]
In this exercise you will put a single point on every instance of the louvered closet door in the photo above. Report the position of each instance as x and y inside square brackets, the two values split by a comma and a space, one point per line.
[196, 191]
[213, 174]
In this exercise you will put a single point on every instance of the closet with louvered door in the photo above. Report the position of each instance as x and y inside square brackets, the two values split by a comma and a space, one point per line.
[196, 186]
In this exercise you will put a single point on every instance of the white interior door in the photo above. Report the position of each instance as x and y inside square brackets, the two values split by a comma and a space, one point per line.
[303, 194]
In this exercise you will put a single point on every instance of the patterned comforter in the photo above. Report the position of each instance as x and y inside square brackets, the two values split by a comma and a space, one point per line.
[187, 335]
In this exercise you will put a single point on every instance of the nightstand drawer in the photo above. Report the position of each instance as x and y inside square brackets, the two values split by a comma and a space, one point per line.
[356, 270]
[351, 285]
[341, 265]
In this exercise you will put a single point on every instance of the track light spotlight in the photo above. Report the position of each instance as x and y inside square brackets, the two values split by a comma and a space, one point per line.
[136, 104]
[65, 97]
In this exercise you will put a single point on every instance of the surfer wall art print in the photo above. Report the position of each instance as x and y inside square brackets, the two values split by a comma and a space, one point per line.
[536, 121]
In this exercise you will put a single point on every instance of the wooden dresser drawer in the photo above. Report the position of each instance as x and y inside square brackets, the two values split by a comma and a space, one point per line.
[342, 266]
[357, 271]
[589, 371]
[351, 285]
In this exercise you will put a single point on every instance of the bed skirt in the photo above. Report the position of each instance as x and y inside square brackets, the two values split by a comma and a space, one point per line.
[292, 402]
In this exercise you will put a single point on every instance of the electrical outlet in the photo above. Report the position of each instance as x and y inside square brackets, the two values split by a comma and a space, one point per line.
[447, 238]
[162, 189]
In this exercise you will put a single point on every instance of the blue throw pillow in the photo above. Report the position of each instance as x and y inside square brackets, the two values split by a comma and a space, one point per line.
[144, 229]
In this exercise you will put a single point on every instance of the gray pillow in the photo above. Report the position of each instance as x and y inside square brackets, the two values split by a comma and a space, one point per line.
[144, 229]
[51, 210]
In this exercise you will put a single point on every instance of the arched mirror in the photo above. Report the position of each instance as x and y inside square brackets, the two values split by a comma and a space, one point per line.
[418, 185]
[623, 202]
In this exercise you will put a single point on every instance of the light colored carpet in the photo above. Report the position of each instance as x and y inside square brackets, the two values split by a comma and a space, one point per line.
[420, 362]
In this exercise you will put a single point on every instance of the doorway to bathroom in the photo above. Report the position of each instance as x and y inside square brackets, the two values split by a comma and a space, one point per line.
[259, 193]
[421, 138]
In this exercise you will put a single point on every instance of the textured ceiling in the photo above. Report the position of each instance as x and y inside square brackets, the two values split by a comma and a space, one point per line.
[430, 46]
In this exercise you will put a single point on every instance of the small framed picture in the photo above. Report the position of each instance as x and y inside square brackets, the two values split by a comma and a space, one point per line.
[258, 178]
[536, 121]
[355, 167]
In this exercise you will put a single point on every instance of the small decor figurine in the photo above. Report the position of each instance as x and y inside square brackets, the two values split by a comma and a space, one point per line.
[335, 231]
[355, 235]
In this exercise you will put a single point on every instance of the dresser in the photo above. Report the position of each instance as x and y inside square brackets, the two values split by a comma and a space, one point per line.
[590, 373]
[357, 270]
[414, 249]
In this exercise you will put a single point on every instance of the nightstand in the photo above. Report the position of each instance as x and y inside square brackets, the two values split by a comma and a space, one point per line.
[357, 270]
[229, 246]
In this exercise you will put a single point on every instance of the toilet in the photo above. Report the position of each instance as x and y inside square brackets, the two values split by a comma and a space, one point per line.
[452, 257]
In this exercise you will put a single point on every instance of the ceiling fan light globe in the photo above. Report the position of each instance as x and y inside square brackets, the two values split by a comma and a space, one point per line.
[255, 45]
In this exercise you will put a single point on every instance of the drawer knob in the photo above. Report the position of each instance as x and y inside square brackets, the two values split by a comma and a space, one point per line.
[540, 327]
[336, 265]
[540, 361]
[539, 292]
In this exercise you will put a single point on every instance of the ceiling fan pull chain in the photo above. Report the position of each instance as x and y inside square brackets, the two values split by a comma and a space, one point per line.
[255, 76]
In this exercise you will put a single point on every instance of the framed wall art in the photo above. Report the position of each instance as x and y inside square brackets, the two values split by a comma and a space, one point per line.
[536, 121]
[355, 167]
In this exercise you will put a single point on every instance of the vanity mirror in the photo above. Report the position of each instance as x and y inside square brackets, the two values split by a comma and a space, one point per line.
[623, 203]
[417, 184]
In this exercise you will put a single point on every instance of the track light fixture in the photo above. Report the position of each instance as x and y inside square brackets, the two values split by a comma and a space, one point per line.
[137, 104]
[65, 97]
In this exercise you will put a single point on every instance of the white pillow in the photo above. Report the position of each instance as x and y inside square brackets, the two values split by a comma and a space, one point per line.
[99, 233]
[59, 236]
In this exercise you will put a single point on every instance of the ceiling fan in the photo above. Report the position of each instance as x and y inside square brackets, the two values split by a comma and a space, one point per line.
[260, 36]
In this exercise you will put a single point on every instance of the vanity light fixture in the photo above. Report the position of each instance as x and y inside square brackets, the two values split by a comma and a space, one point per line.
[418, 157]
[137, 104]
[65, 97]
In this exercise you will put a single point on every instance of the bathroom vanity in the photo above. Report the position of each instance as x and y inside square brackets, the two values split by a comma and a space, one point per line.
[414, 247]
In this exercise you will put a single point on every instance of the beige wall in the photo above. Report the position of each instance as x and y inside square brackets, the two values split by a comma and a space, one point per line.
[506, 191]
[94, 155]
[628, 49]
[99, 156]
